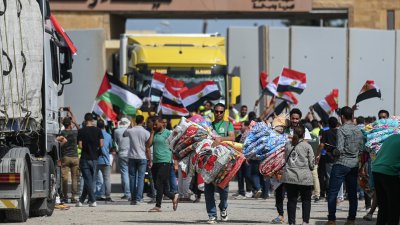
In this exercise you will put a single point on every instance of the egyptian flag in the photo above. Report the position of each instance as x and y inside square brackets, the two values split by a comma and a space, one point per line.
[271, 90]
[172, 110]
[291, 80]
[194, 97]
[171, 97]
[113, 93]
[369, 90]
[263, 80]
[280, 106]
[158, 83]
[326, 106]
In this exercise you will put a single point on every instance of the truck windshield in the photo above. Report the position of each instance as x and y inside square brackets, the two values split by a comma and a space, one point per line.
[142, 83]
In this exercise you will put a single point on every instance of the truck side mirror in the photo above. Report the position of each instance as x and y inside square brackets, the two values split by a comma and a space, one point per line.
[66, 77]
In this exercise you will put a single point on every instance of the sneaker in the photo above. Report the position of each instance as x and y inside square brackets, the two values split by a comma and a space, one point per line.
[368, 217]
[224, 215]
[197, 200]
[135, 203]
[249, 194]
[236, 194]
[212, 220]
[79, 204]
[278, 220]
[108, 199]
[93, 204]
[350, 222]
[240, 197]
[74, 201]
[330, 222]
[257, 194]
[125, 197]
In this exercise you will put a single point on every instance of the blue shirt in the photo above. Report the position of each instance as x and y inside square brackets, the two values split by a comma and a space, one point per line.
[104, 157]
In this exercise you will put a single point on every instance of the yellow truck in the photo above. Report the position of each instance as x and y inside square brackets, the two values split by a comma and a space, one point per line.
[191, 58]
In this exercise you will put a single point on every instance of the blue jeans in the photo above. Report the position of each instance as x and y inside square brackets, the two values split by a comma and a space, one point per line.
[137, 170]
[339, 174]
[172, 182]
[88, 170]
[123, 169]
[99, 190]
[104, 187]
[256, 177]
[209, 191]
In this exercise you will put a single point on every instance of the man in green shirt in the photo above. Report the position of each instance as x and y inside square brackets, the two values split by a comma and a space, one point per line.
[160, 164]
[226, 132]
[386, 172]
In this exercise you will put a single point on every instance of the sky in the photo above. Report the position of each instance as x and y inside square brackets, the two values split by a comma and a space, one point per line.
[194, 25]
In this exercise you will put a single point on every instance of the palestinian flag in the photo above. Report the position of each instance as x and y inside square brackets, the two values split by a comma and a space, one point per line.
[326, 106]
[291, 80]
[168, 109]
[369, 90]
[271, 90]
[103, 109]
[263, 80]
[113, 93]
[158, 83]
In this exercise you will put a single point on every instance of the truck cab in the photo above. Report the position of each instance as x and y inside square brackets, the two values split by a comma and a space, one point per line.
[190, 58]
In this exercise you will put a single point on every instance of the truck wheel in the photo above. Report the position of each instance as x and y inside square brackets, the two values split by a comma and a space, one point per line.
[51, 198]
[22, 214]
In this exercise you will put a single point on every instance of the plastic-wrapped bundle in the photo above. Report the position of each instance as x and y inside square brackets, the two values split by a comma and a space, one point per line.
[377, 132]
[273, 164]
[178, 132]
[193, 134]
[208, 160]
[230, 169]
[261, 141]
[244, 135]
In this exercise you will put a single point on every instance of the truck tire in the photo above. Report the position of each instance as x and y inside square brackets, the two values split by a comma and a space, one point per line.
[51, 198]
[22, 214]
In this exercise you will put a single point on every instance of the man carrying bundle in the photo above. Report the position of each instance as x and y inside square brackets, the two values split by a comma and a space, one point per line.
[226, 132]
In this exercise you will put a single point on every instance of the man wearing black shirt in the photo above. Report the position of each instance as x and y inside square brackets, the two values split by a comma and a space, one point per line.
[69, 153]
[325, 150]
[90, 139]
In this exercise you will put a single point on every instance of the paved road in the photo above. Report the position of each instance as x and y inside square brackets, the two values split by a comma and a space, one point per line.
[249, 211]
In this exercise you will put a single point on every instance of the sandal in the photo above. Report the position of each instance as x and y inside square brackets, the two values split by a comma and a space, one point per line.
[175, 202]
[155, 209]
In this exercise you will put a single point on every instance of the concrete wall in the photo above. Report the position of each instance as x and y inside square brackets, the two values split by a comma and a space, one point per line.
[372, 57]
[331, 57]
[243, 60]
[88, 70]
[321, 54]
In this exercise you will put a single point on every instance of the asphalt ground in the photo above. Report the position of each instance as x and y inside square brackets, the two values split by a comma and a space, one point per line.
[247, 211]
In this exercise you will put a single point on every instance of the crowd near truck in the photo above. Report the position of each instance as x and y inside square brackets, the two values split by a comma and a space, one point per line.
[35, 63]
[192, 58]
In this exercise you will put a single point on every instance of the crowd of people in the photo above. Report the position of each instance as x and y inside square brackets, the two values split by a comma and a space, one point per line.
[322, 162]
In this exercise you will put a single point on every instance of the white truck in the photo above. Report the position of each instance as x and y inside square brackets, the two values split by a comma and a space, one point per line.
[34, 69]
